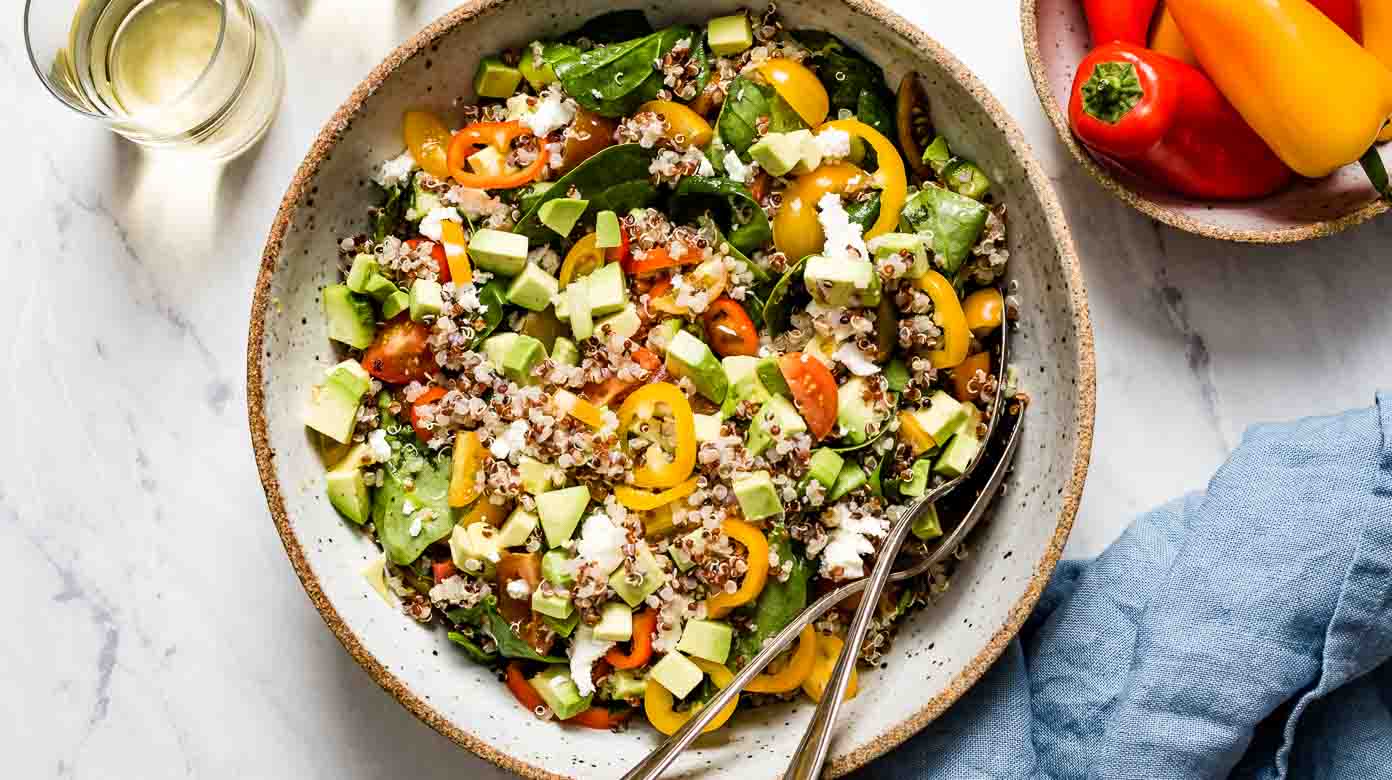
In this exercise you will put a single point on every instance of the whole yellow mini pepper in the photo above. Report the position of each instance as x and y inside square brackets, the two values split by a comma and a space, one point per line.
[1377, 38]
[1308, 89]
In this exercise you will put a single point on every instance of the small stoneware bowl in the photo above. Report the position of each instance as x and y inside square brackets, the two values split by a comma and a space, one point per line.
[1056, 40]
[937, 656]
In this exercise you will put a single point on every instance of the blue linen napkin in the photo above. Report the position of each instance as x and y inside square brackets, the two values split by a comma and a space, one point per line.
[1242, 632]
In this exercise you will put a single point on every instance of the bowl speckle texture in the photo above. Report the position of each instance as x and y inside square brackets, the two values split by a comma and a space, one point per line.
[1056, 39]
[936, 657]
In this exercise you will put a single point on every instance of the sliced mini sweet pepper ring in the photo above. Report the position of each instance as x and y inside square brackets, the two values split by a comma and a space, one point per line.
[828, 650]
[891, 177]
[657, 701]
[645, 501]
[755, 578]
[600, 718]
[797, 670]
[640, 647]
[948, 314]
[796, 230]
[684, 459]
[500, 136]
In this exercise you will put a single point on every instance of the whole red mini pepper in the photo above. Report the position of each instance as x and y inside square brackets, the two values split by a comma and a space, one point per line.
[1164, 120]
[1127, 21]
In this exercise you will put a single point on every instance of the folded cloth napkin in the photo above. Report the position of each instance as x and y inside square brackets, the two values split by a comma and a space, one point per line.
[1242, 632]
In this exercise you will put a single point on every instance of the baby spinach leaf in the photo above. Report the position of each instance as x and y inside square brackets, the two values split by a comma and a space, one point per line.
[778, 310]
[747, 104]
[614, 27]
[388, 219]
[734, 209]
[780, 602]
[510, 645]
[429, 490]
[865, 212]
[472, 616]
[494, 298]
[852, 82]
[615, 179]
[614, 79]
[954, 221]
[471, 648]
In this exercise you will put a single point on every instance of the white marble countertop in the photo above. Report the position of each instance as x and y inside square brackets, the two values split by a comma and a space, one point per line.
[157, 629]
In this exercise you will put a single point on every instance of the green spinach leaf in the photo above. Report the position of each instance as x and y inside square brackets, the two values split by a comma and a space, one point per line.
[471, 648]
[613, 27]
[730, 203]
[615, 179]
[494, 298]
[954, 221]
[615, 79]
[510, 645]
[852, 82]
[778, 310]
[388, 219]
[865, 212]
[747, 104]
[429, 479]
[780, 601]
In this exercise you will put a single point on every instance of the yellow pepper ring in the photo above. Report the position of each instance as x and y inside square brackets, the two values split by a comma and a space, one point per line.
[828, 650]
[947, 312]
[645, 501]
[657, 701]
[684, 460]
[792, 675]
[796, 230]
[755, 578]
[891, 177]
[581, 260]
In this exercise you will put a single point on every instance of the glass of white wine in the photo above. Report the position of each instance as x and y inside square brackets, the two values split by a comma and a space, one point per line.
[199, 75]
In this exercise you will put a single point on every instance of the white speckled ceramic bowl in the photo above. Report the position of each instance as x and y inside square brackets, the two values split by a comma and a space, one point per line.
[1056, 40]
[942, 651]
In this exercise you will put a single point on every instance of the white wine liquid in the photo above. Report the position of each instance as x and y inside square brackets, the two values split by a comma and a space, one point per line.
[160, 51]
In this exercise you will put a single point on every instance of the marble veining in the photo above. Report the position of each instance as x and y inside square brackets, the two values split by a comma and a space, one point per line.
[155, 628]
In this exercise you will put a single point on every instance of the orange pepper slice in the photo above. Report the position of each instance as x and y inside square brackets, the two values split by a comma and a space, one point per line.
[500, 136]
[646, 501]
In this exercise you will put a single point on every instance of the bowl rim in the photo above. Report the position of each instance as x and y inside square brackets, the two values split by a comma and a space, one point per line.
[1029, 29]
[896, 733]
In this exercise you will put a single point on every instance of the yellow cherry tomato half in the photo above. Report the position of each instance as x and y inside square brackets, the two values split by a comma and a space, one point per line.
[799, 87]
[985, 310]
[948, 314]
[685, 127]
[428, 140]
[890, 177]
[581, 260]
[464, 468]
[797, 232]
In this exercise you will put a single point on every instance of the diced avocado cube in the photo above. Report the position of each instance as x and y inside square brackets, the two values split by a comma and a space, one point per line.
[942, 417]
[564, 353]
[561, 214]
[653, 579]
[474, 548]
[380, 288]
[497, 252]
[608, 290]
[742, 375]
[825, 466]
[778, 412]
[517, 529]
[957, 456]
[560, 512]
[625, 685]
[707, 427]
[688, 356]
[738, 368]
[841, 282]
[346, 487]
[533, 289]
[487, 162]
[854, 413]
[911, 244]
[771, 377]
[677, 674]
[496, 79]
[496, 348]
[937, 155]
[426, 299]
[423, 201]
[729, 35]
[927, 526]
[577, 299]
[364, 267]
[395, 303]
[551, 605]
[896, 374]
[535, 70]
[350, 317]
[677, 550]
[852, 477]
[333, 406]
[608, 234]
[757, 496]
[708, 639]
[557, 569]
[964, 177]
[538, 477]
[919, 482]
[557, 689]
[615, 623]
[524, 355]
[626, 322]
[779, 153]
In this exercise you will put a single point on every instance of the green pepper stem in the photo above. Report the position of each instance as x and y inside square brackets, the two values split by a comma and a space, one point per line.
[1377, 172]
[1112, 91]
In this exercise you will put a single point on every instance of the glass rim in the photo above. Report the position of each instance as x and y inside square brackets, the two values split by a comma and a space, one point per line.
[84, 110]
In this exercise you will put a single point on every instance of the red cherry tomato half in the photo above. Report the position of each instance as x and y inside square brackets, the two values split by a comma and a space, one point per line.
[437, 252]
[729, 329]
[428, 397]
[814, 391]
[401, 352]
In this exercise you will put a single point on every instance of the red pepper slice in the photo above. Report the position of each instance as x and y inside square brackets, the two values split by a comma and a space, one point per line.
[640, 647]
[437, 253]
[442, 570]
[1166, 121]
[500, 136]
[1127, 21]
[521, 689]
[599, 718]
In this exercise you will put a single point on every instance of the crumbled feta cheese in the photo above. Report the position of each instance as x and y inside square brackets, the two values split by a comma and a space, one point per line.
[833, 144]
[585, 650]
[519, 589]
[858, 362]
[601, 542]
[551, 113]
[843, 237]
[736, 169]
[848, 541]
[407, 506]
[704, 168]
[415, 529]
[377, 443]
[395, 170]
[513, 439]
[430, 225]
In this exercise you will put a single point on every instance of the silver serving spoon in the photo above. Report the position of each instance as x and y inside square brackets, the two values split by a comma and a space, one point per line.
[660, 759]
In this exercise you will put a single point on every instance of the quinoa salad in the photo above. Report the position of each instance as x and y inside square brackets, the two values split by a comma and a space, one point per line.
[646, 345]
